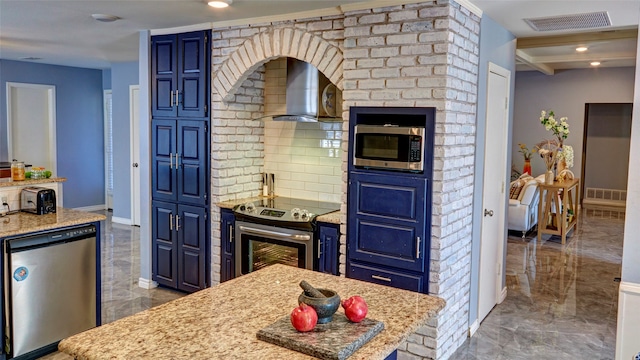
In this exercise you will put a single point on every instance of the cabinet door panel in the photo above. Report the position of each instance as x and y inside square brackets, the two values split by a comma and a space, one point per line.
[192, 153]
[192, 72]
[164, 244]
[191, 229]
[163, 143]
[386, 240]
[387, 220]
[328, 256]
[163, 75]
[227, 224]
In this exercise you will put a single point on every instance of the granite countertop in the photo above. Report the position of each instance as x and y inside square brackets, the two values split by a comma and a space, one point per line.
[24, 223]
[221, 322]
[29, 182]
[332, 218]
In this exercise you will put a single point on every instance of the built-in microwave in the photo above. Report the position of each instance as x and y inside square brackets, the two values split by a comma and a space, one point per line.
[389, 147]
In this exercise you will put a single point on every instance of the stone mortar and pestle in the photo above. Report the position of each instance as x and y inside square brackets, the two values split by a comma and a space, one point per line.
[325, 302]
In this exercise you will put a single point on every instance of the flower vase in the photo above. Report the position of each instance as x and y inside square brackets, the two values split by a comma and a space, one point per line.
[548, 177]
[527, 167]
[560, 166]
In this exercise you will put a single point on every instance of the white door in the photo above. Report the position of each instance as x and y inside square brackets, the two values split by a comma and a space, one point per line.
[494, 196]
[31, 124]
[108, 147]
[134, 114]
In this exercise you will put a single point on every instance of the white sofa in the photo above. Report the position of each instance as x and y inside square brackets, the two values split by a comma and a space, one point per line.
[523, 210]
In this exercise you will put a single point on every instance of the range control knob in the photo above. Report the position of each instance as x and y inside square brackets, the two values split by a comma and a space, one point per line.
[304, 214]
[295, 212]
[251, 207]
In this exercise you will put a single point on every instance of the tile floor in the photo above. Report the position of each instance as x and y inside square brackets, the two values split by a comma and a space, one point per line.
[561, 301]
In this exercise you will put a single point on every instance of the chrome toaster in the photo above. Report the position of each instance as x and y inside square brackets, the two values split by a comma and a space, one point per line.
[38, 200]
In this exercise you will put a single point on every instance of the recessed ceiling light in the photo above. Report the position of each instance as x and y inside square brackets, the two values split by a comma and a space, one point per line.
[105, 17]
[595, 63]
[220, 3]
[581, 48]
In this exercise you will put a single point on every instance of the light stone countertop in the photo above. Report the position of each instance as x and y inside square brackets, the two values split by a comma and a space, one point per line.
[29, 182]
[331, 218]
[24, 223]
[221, 322]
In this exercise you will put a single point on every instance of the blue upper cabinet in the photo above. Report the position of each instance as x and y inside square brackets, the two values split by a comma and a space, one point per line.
[179, 168]
[180, 76]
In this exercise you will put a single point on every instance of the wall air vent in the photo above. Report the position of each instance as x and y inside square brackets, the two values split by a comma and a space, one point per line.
[570, 22]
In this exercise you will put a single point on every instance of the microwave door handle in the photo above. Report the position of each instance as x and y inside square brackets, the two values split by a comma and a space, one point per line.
[263, 232]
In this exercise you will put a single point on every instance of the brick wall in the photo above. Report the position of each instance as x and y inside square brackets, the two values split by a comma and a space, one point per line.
[426, 54]
[422, 54]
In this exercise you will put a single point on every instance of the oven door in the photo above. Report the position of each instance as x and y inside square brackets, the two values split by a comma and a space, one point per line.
[258, 246]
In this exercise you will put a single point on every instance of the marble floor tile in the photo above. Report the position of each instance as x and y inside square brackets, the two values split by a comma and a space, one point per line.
[561, 299]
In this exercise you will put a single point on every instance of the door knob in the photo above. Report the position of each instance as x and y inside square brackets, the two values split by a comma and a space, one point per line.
[135, 164]
[488, 212]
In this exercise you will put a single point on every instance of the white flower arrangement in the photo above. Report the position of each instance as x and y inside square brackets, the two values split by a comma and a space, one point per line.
[566, 154]
[559, 129]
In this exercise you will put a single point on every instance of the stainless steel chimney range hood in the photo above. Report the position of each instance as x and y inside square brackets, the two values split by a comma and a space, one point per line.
[310, 95]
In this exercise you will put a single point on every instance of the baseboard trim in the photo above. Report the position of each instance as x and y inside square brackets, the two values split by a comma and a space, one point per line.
[119, 220]
[91, 208]
[474, 327]
[503, 295]
[146, 283]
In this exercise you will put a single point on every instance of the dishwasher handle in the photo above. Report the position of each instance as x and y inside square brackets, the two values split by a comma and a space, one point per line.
[23, 243]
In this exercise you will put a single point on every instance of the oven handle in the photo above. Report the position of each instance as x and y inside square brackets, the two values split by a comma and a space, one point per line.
[274, 233]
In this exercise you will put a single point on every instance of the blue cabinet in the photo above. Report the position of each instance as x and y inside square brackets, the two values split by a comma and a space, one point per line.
[180, 76]
[227, 234]
[179, 248]
[328, 246]
[180, 158]
[388, 239]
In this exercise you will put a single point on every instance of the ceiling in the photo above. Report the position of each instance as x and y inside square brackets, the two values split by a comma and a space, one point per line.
[62, 32]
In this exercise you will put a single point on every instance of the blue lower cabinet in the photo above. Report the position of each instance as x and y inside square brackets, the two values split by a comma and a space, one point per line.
[227, 236]
[390, 277]
[389, 229]
[179, 246]
[328, 246]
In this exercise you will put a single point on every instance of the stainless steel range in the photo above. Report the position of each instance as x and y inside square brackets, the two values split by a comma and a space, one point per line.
[277, 231]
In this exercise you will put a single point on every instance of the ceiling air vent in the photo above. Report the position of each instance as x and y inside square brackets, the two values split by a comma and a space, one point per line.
[570, 22]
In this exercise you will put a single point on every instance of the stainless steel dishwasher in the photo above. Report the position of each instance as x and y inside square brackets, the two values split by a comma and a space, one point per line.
[50, 287]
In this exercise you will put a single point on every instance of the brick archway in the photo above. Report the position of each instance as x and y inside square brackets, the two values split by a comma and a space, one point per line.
[272, 44]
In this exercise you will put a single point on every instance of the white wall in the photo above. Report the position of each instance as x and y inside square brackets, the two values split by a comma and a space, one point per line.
[566, 93]
[629, 296]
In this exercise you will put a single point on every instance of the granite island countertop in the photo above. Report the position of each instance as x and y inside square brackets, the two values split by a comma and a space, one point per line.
[331, 218]
[24, 223]
[221, 322]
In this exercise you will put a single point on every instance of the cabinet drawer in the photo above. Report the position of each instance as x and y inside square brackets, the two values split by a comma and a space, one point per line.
[396, 279]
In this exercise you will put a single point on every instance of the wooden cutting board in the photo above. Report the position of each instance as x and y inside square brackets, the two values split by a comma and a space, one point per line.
[338, 339]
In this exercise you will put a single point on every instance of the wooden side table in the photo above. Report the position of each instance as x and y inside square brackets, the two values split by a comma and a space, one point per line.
[553, 209]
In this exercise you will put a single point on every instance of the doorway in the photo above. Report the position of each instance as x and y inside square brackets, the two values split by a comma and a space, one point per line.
[605, 154]
[492, 238]
[31, 124]
[134, 116]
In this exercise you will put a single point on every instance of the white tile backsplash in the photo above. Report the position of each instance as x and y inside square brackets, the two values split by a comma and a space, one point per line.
[305, 158]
